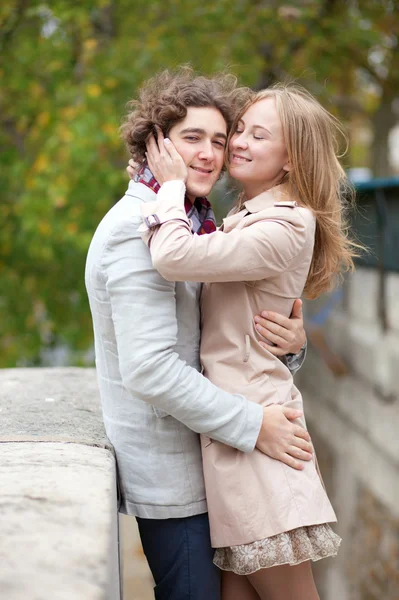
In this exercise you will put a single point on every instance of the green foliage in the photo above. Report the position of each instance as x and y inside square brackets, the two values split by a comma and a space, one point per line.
[66, 71]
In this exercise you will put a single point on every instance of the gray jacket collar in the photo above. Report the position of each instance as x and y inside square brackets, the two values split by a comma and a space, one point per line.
[141, 191]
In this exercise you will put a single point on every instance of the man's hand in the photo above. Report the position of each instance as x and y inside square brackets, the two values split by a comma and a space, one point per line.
[284, 335]
[283, 440]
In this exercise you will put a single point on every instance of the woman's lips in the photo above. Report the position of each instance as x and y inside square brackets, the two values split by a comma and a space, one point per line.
[236, 158]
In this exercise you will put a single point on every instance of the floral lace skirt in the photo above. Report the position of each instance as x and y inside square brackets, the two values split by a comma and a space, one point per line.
[288, 548]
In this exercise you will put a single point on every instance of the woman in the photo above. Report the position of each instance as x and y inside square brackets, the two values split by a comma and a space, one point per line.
[285, 236]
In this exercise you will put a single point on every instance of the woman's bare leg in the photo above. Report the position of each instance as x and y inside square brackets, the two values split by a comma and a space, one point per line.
[237, 587]
[285, 582]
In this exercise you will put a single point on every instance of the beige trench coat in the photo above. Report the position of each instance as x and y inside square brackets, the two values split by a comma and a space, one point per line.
[260, 257]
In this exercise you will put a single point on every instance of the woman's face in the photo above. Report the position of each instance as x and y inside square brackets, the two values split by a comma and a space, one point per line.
[258, 156]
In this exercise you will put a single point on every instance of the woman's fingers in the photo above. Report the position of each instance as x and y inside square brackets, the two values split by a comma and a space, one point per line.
[160, 140]
[152, 148]
[173, 153]
[179, 166]
[163, 159]
[131, 172]
[150, 152]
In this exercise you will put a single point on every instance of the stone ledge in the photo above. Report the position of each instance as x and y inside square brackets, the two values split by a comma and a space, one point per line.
[59, 524]
[360, 428]
[51, 405]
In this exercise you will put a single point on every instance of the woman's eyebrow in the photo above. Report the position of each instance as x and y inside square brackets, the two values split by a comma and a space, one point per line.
[241, 122]
[264, 128]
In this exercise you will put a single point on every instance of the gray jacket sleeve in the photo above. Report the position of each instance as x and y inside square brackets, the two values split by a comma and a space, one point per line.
[144, 318]
[295, 361]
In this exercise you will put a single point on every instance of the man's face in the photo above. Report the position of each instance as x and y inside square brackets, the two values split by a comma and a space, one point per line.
[200, 139]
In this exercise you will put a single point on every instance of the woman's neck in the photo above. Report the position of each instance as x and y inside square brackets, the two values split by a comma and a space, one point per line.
[251, 191]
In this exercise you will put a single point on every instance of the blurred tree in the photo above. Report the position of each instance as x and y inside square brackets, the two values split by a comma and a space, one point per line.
[66, 71]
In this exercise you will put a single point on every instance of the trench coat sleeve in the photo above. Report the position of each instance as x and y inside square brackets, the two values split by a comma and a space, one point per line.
[144, 319]
[260, 251]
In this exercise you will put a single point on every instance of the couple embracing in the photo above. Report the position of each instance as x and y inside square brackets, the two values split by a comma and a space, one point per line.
[198, 330]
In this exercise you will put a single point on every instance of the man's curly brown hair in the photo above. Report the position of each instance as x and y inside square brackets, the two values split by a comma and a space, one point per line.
[163, 100]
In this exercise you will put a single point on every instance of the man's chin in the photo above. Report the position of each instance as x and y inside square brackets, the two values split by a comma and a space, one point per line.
[199, 191]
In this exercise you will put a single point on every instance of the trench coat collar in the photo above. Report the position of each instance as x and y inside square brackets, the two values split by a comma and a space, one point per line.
[265, 199]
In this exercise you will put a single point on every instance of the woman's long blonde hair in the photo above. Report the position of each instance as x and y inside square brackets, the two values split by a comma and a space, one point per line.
[316, 180]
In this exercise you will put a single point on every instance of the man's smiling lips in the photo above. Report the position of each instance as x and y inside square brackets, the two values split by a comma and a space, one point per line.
[202, 170]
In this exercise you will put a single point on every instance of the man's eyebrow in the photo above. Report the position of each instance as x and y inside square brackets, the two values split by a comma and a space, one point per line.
[202, 132]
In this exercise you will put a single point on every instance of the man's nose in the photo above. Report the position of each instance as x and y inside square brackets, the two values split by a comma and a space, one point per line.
[207, 151]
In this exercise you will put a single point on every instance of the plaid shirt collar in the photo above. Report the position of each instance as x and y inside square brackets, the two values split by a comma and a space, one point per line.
[200, 213]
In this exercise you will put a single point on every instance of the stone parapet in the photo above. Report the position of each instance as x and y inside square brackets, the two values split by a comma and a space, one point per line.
[59, 525]
[354, 422]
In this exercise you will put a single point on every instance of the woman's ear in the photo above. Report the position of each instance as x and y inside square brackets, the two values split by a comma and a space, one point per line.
[287, 166]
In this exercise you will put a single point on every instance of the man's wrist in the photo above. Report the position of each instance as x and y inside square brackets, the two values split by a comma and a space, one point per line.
[291, 354]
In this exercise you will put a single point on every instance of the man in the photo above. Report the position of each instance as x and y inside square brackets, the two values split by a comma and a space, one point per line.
[146, 329]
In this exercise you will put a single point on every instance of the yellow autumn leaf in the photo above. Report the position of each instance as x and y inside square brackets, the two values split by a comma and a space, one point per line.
[90, 44]
[43, 119]
[65, 134]
[35, 90]
[40, 164]
[30, 183]
[22, 124]
[34, 134]
[110, 83]
[61, 180]
[59, 201]
[62, 154]
[71, 228]
[109, 129]
[153, 43]
[55, 65]
[93, 90]
[45, 253]
[69, 112]
[44, 228]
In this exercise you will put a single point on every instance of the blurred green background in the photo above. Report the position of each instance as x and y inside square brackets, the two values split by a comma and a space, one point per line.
[67, 70]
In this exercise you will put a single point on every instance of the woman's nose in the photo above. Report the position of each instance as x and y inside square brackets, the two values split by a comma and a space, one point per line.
[239, 141]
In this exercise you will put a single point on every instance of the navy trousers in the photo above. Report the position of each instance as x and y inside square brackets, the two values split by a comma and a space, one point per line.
[180, 556]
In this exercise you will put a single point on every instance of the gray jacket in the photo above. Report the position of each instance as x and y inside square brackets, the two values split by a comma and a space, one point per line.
[154, 399]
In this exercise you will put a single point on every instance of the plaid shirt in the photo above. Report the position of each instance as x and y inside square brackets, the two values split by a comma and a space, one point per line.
[200, 213]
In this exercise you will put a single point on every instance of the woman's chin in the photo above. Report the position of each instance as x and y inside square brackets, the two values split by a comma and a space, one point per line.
[237, 173]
